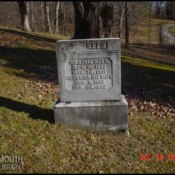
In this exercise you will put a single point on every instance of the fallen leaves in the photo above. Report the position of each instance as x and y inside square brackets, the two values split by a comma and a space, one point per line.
[9, 39]
[155, 108]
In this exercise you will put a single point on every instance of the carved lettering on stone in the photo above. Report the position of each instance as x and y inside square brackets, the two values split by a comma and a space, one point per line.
[89, 69]
[88, 74]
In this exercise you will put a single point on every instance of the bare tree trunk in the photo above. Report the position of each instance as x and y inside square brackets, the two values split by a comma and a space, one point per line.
[24, 14]
[42, 16]
[131, 29]
[32, 14]
[149, 23]
[57, 17]
[121, 19]
[98, 20]
[160, 36]
[101, 32]
[48, 21]
[86, 19]
[126, 26]
[64, 21]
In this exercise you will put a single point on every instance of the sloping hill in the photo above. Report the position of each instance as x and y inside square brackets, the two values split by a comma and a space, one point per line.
[29, 89]
[140, 33]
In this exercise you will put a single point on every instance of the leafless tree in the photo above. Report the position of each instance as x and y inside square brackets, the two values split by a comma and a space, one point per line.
[159, 9]
[170, 9]
[24, 14]
[86, 19]
[149, 22]
[120, 16]
[57, 16]
[61, 16]
[126, 25]
[48, 20]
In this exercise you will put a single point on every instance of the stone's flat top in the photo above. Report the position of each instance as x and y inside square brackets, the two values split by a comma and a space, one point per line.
[88, 104]
[89, 69]
[90, 39]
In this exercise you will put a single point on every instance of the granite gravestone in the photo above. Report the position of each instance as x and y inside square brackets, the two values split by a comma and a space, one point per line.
[89, 72]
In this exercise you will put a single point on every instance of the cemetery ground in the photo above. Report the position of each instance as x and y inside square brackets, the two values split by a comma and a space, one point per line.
[29, 89]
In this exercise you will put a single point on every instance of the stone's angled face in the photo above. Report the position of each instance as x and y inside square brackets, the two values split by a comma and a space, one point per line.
[89, 70]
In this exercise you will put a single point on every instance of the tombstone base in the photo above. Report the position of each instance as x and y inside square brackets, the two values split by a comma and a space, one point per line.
[93, 115]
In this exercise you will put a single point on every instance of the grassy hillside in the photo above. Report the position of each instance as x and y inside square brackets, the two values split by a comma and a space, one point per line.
[140, 33]
[172, 30]
[29, 90]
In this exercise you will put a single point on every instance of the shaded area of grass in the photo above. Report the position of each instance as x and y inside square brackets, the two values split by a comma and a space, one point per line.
[148, 79]
[35, 112]
[39, 63]
[26, 56]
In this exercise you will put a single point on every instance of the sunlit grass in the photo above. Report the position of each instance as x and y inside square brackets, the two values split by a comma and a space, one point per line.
[172, 30]
[147, 63]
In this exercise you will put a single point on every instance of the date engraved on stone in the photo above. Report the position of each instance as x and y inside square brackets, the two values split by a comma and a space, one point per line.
[88, 74]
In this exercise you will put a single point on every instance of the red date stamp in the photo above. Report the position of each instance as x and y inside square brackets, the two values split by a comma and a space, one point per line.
[157, 157]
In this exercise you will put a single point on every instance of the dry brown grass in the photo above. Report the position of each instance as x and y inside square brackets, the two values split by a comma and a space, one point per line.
[140, 33]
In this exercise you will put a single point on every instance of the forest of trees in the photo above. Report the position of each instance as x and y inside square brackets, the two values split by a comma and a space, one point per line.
[37, 15]
[82, 19]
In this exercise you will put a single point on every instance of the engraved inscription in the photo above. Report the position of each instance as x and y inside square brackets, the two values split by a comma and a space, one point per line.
[96, 45]
[88, 74]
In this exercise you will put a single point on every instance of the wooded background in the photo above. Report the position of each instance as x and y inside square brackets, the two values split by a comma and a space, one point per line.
[58, 16]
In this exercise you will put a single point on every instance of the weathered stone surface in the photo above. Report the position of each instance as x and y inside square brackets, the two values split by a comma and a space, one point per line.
[89, 70]
[93, 115]
[89, 73]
